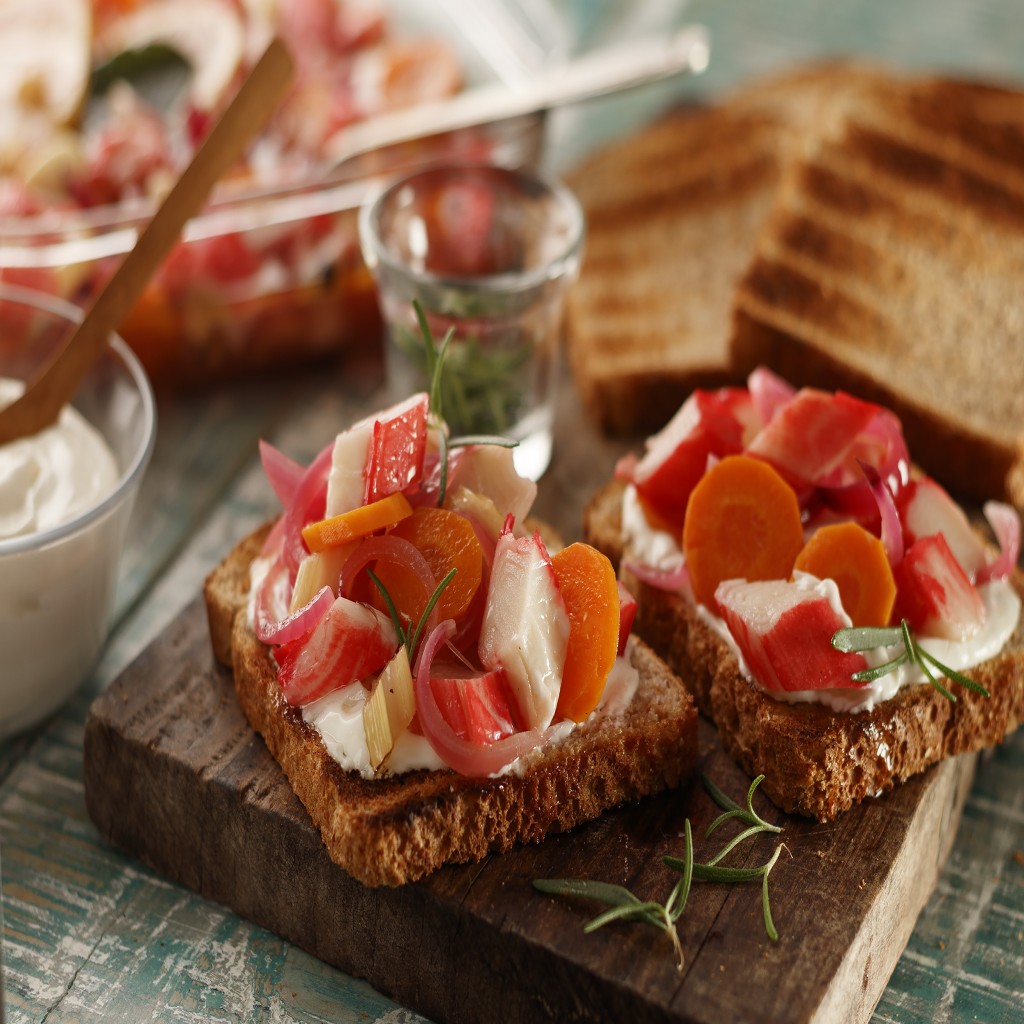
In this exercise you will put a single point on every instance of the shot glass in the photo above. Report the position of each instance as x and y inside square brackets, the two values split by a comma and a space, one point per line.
[487, 252]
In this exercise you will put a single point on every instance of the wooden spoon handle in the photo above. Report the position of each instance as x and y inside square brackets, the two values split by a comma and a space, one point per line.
[57, 381]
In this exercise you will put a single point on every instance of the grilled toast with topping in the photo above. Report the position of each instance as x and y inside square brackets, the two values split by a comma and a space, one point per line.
[395, 829]
[831, 607]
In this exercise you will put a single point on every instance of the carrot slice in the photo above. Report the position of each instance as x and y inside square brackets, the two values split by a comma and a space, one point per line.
[855, 559]
[359, 522]
[586, 581]
[742, 522]
[447, 541]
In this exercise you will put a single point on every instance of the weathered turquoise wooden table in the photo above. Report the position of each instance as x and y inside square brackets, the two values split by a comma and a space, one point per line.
[90, 934]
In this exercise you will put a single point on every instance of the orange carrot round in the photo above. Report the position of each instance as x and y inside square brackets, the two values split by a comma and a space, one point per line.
[586, 581]
[855, 559]
[360, 522]
[447, 541]
[742, 522]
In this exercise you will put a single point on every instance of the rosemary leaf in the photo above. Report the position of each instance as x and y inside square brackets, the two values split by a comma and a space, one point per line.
[442, 445]
[493, 439]
[390, 605]
[753, 830]
[865, 638]
[870, 674]
[438, 590]
[649, 913]
[717, 873]
[603, 892]
[951, 673]
[676, 902]
[923, 665]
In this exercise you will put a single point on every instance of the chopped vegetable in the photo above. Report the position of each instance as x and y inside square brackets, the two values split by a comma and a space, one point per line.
[627, 613]
[447, 541]
[742, 522]
[359, 522]
[389, 709]
[855, 560]
[926, 508]
[586, 581]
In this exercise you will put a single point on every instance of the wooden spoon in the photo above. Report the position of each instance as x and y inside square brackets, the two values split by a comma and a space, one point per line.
[53, 386]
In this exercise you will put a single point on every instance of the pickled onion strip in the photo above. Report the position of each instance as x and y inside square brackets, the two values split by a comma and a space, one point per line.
[675, 580]
[769, 392]
[274, 539]
[272, 596]
[390, 549]
[1005, 523]
[308, 505]
[470, 759]
[296, 625]
[283, 474]
[892, 530]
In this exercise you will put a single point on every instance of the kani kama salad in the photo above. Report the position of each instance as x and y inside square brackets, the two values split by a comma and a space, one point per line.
[795, 522]
[414, 614]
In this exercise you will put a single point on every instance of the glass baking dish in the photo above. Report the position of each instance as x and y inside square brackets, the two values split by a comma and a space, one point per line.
[270, 276]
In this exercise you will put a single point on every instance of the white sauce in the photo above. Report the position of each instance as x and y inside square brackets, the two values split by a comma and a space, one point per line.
[48, 479]
[1002, 611]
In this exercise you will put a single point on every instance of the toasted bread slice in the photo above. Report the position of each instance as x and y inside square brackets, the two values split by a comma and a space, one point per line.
[396, 829]
[816, 762]
[673, 212]
[891, 267]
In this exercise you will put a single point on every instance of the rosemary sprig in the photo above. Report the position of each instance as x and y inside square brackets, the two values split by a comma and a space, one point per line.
[483, 386]
[867, 638]
[627, 906]
[434, 356]
[733, 810]
[410, 640]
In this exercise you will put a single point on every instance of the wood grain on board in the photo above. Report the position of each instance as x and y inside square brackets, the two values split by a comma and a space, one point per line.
[174, 775]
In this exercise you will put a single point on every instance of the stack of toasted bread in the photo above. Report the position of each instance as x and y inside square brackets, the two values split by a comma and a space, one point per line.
[844, 226]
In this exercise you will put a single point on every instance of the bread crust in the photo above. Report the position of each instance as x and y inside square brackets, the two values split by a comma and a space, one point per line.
[396, 829]
[816, 762]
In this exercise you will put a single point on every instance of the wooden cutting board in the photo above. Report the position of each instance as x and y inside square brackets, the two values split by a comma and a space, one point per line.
[175, 776]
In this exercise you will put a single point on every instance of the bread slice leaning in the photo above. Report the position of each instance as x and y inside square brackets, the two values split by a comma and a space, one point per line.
[393, 830]
[673, 211]
[816, 762]
[891, 267]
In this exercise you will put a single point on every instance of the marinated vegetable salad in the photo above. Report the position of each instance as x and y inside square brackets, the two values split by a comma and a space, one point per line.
[104, 104]
[794, 520]
[416, 618]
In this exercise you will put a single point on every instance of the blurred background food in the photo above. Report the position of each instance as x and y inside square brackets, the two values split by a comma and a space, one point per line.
[102, 103]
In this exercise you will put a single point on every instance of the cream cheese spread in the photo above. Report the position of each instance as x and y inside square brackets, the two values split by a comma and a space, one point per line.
[1002, 610]
[48, 479]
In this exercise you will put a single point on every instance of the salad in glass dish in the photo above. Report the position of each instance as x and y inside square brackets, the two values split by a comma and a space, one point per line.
[105, 102]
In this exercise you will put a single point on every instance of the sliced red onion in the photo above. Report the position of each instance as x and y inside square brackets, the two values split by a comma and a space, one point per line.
[466, 758]
[283, 474]
[663, 579]
[272, 543]
[386, 548]
[895, 465]
[273, 595]
[1005, 523]
[892, 530]
[428, 492]
[296, 625]
[308, 505]
[768, 391]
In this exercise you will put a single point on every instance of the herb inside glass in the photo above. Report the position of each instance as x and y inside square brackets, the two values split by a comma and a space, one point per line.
[483, 388]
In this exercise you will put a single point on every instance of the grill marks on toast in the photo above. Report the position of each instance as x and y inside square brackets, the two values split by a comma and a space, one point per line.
[673, 213]
[892, 265]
